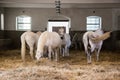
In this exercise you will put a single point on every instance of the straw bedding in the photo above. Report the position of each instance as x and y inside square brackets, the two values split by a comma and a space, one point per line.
[74, 67]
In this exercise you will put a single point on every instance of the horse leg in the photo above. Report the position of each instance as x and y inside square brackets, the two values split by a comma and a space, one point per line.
[23, 53]
[60, 50]
[88, 58]
[53, 53]
[63, 51]
[31, 52]
[87, 50]
[23, 47]
[88, 54]
[97, 54]
[66, 51]
[56, 54]
[49, 52]
[91, 50]
[99, 48]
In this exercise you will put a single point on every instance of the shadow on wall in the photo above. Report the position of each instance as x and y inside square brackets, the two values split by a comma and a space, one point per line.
[4, 42]
[10, 39]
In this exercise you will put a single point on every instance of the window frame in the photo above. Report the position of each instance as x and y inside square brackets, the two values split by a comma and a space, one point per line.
[58, 24]
[17, 22]
[97, 21]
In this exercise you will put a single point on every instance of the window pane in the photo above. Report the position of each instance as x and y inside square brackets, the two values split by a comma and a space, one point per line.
[24, 26]
[24, 20]
[93, 21]
[92, 27]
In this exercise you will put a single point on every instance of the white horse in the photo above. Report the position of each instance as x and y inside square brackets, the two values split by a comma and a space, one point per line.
[66, 42]
[94, 40]
[90, 45]
[52, 41]
[31, 39]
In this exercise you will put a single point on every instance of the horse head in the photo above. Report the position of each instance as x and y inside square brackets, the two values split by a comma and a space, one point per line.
[39, 54]
[61, 33]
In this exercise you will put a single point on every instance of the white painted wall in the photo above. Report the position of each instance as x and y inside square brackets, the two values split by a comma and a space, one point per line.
[78, 17]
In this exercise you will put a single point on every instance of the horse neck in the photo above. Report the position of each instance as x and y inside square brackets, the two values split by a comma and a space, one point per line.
[41, 43]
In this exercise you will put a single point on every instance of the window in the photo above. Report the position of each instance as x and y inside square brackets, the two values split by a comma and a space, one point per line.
[2, 21]
[54, 25]
[93, 23]
[23, 23]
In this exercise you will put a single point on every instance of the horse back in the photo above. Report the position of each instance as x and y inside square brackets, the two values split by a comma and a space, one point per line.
[50, 39]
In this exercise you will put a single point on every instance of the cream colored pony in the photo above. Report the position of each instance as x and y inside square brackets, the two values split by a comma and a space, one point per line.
[52, 41]
[93, 41]
[29, 38]
[66, 42]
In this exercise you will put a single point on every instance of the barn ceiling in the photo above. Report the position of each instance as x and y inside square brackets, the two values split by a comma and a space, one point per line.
[64, 3]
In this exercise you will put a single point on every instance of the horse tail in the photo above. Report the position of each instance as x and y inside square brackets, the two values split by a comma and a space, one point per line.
[23, 47]
[86, 41]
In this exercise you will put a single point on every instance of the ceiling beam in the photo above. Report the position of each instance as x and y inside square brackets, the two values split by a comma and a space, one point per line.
[62, 1]
[64, 5]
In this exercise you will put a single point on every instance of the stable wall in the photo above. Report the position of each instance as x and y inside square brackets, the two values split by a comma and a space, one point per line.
[110, 21]
[78, 16]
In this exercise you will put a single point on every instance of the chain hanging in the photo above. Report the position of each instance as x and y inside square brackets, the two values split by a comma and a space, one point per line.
[57, 4]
